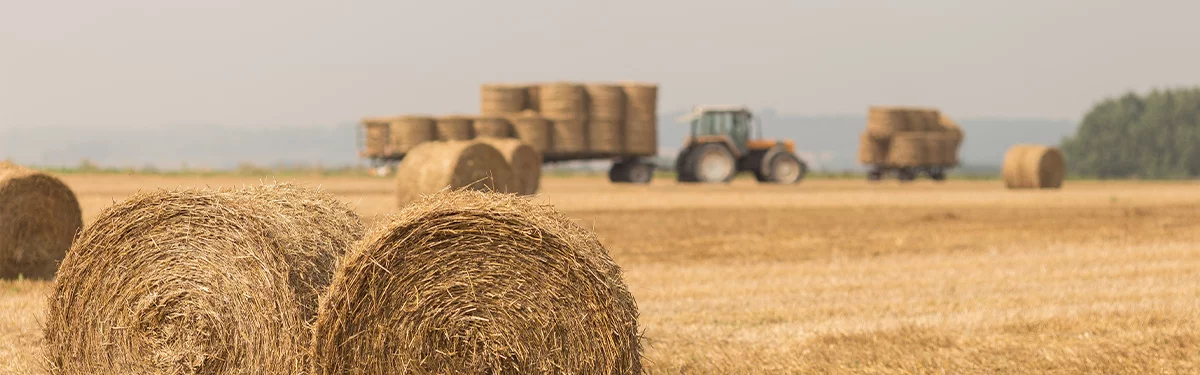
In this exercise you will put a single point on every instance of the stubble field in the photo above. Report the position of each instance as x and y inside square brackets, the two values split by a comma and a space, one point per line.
[845, 276]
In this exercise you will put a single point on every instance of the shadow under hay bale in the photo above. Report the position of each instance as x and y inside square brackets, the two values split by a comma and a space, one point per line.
[436, 166]
[526, 162]
[197, 282]
[39, 216]
[467, 282]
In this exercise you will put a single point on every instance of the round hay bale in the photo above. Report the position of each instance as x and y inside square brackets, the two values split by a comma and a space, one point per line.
[872, 150]
[533, 97]
[605, 102]
[436, 166]
[198, 282]
[495, 127]
[604, 136]
[454, 128]
[562, 100]
[1033, 167]
[39, 217]
[882, 122]
[922, 119]
[533, 129]
[908, 149]
[641, 118]
[375, 140]
[569, 136]
[501, 99]
[526, 162]
[467, 282]
[407, 132]
[948, 125]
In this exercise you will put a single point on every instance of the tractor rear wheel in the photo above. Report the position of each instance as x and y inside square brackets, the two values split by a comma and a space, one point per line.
[784, 168]
[711, 163]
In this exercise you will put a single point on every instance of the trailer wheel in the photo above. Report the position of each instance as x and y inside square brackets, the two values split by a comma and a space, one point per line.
[906, 174]
[875, 174]
[631, 171]
[616, 173]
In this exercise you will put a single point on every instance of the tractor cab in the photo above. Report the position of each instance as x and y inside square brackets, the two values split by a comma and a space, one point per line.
[719, 145]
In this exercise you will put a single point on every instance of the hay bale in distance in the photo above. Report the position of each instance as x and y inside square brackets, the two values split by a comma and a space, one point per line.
[477, 283]
[569, 136]
[198, 282]
[436, 166]
[533, 130]
[39, 216]
[605, 137]
[872, 150]
[492, 126]
[407, 132]
[526, 162]
[1029, 166]
[533, 95]
[605, 102]
[641, 119]
[502, 99]
[375, 142]
[882, 122]
[455, 128]
[562, 100]
[908, 149]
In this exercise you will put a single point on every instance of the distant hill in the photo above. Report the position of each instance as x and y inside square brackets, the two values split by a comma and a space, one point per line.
[828, 142]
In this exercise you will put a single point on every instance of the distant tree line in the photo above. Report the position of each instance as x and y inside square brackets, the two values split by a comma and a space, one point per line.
[1151, 136]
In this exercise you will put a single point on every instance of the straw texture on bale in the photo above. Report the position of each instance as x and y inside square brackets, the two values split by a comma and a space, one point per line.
[641, 119]
[605, 136]
[948, 125]
[908, 149]
[533, 95]
[436, 166]
[920, 119]
[562, 100]
[526, 163]
[605, 102]
[407, 132]
[198, 282]
[943, 149]
[375, 142]
[882, 122]
[569, 136]
[872, 150]
[39, 216]
[1033, 167]
[534, 130]
[466, 282]
[455, 128]
[501, 99]
[496, 127]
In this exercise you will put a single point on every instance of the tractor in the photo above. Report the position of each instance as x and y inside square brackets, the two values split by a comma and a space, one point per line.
[719, 146]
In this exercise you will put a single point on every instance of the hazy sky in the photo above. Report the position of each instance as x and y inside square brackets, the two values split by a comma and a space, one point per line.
[271, 63]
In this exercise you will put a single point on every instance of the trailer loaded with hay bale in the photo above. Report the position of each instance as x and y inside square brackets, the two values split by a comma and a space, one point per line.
[561, 121]
[909, 142]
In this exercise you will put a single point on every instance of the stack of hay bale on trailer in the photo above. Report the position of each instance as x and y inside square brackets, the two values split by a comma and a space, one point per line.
[909, 142]
[560, 121]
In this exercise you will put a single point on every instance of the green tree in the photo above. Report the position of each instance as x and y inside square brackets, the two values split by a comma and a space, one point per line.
[1155, 136]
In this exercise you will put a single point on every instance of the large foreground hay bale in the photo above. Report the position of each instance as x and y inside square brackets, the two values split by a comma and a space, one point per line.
[455, 128]
[1033, 166]
[526, 163]
[198, 282]
[872, 150]
[375, 137]
[437, 166]
[533, 130]
[407, 132]
[492, 126]
[39, 216]
[562, 100]
[568, 137]
[641, 118]
[908, 149]
[882, 122]
[502, 99]
[476, 283]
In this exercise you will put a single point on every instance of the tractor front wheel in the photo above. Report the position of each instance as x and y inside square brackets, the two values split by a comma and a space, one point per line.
[785, 168]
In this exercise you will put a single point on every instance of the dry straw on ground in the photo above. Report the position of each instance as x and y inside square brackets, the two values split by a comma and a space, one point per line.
[493, 126]
[526, 162]
[197, 282]
[39, 216]
[454, 128]
[1033, 166]
[436, 166]
[407, 132]
[533, 130]
[477, 283]
[641, 118]
[501, 99]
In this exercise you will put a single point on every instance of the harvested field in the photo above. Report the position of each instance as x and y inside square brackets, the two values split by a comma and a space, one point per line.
[845, 276]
